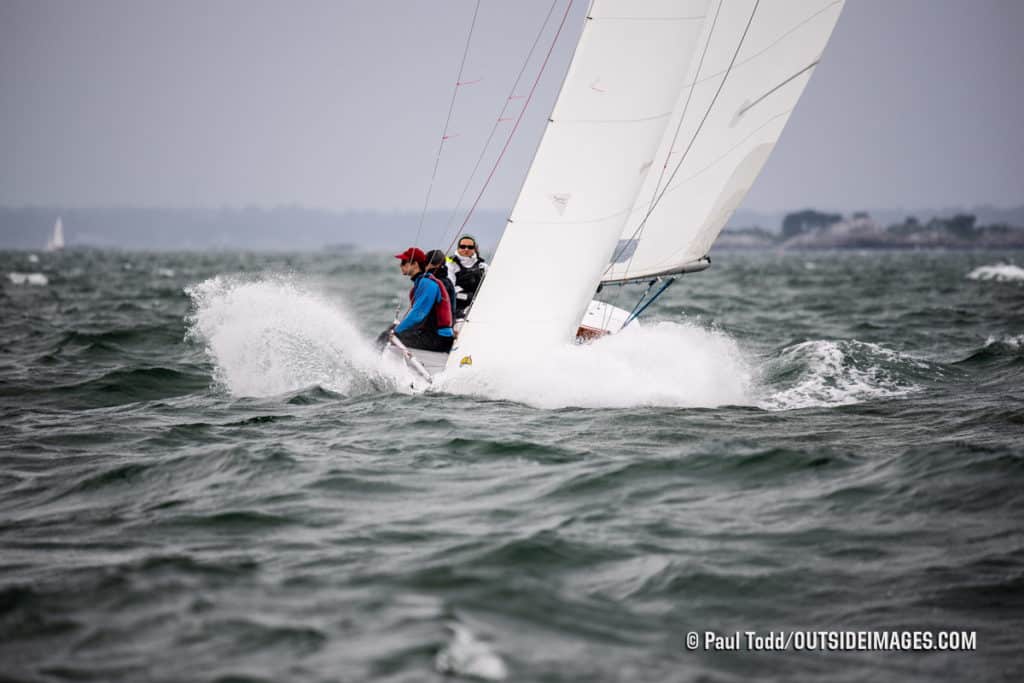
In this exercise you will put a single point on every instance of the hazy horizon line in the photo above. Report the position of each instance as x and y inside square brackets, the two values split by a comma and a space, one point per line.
[303, 207]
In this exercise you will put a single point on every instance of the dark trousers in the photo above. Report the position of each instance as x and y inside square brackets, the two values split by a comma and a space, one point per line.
[427, 340]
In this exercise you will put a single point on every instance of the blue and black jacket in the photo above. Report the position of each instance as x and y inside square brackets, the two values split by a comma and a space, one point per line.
[427, 295]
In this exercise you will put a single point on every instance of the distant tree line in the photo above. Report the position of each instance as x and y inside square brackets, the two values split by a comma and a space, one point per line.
[815, 229]
[812, 228]
[806, 221]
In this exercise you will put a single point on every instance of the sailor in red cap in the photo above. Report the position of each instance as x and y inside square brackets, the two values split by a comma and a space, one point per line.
[428, 324]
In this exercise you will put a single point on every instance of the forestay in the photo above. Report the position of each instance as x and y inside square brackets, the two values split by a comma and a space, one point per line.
[610, 116]
[752, 63]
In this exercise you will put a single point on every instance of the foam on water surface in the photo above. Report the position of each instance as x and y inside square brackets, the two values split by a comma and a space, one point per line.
[821, 373]
[1000, 272]
[468, 656]
[1011, 342]
[37, 279]
[661, 364]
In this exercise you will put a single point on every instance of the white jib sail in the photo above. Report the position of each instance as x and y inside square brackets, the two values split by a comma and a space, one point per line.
[611, 113]
[730, 120]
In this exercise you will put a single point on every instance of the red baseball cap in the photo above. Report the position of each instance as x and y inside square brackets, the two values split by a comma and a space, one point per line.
[414, 254]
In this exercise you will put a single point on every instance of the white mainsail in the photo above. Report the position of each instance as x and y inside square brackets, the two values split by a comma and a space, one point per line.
[610, 116]
[56, 241]
[755, 58]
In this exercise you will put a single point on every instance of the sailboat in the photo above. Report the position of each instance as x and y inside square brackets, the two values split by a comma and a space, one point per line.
[56, 241]
[667, 113]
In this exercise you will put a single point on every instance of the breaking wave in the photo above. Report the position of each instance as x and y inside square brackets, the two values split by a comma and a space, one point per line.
[997, 350]
[823, 373]
[1002, 272]
[469, 657]
[1009, 343]
[270, 336]
[38, 279]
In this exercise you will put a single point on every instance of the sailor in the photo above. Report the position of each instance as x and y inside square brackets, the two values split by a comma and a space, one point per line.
[428, 324]
[438, 267]
[468, 267]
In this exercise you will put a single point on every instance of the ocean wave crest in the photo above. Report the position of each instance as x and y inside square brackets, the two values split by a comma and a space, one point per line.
[821, 373]
[1001, 272]
[37, 279]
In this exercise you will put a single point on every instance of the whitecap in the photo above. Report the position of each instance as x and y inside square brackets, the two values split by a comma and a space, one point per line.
[1002, 272]
[466, 655]
[37, 279]
[833, 373]
[1011, 342]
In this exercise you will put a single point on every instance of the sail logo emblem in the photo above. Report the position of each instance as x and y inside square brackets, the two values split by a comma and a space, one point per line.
[561, 202]
[466, 361]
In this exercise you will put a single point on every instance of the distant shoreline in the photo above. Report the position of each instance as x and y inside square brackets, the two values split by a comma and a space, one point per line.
[811, 229]
[295, 228]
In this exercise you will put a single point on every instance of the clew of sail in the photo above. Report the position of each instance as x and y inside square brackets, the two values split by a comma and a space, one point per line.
[753, 61]
[596, 151]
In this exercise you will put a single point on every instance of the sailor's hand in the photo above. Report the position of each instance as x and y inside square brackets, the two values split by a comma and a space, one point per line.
[384, 337]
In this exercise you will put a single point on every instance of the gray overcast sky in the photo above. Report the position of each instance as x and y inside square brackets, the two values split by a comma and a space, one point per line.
[340, 105]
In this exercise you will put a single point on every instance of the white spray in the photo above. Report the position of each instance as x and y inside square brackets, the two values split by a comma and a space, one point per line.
[270, 337]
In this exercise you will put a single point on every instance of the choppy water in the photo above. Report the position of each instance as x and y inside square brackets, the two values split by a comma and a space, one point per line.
[207, 475]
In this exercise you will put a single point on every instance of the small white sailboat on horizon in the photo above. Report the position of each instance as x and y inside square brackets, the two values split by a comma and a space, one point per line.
[665, 118]
[56, 241]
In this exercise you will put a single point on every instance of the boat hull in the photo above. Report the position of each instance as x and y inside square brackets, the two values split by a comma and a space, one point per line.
[601, 319]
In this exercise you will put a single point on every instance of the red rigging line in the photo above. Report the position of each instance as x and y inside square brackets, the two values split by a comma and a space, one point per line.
[444, 134]
[526, 104]
[494, 129]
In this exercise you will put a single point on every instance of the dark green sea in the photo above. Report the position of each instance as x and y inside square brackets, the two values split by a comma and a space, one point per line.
[206, 474]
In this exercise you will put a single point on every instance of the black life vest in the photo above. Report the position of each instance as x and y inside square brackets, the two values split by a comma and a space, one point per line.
[469, 278]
